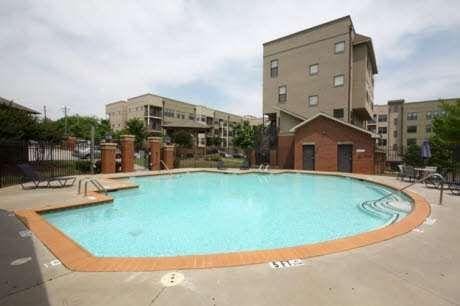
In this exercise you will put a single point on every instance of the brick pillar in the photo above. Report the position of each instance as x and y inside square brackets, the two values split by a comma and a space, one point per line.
[273, 161]
[127, 153]
[169, 155]
[154, 152]
[108, 157]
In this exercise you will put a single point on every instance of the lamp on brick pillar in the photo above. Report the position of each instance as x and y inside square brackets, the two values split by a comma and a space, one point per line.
[127, 153]
[154, 152]
[108, 157]
[169, 154]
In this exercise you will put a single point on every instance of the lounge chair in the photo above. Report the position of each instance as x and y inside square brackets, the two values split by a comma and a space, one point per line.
[406, 172]
[220, 165]
[454, 187]
[433, 182]
[410, 173]
[401, 173]
[30, 174]
[244, 165]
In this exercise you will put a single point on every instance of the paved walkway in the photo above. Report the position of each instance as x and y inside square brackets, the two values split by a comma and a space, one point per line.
[419, 268]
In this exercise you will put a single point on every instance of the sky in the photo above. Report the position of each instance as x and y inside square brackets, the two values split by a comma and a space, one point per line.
[85, 54]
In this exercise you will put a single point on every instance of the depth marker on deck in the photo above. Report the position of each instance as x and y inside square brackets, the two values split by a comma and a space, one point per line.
[286, 263]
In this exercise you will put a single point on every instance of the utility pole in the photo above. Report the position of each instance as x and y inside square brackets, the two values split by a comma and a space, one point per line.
[44, 112]
[65, 108]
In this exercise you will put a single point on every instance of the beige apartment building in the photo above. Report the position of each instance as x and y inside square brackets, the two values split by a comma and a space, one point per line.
[162, 115]
[325, 70]
[401, 123]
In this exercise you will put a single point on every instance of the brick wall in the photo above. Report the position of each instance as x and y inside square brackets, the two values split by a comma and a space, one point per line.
[285, 151]
[326, 134]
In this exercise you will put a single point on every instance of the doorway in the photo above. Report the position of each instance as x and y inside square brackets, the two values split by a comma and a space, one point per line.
[345, 157]
[308, 157]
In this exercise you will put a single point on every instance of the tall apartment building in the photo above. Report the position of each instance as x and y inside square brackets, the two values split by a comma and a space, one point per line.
[379, 125]
[401, 123]
[327, 69]
[162, 115]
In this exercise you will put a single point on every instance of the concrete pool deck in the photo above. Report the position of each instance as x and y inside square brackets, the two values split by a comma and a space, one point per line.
[418, 268]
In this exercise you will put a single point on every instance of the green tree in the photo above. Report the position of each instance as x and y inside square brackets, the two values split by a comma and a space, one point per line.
[80, 126]
[182, 138]
[19, 125]
[447, 126]
[244, 136]
[412, 157]
[441, 153]
[136, 127]
[213, 141]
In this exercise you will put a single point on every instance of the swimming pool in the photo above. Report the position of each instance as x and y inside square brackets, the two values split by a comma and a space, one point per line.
[207, 213]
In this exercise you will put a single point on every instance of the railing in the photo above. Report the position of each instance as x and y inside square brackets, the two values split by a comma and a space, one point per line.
[415, 182]
[379, 208]
[94, 182]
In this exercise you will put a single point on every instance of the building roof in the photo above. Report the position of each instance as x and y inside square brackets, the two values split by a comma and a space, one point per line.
[373, 135]
[290, 113]
[186, 124]
[310, 29]
[363, 39]
[17, 106]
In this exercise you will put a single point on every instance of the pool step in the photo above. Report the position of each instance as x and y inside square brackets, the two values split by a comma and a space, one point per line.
[380, 210]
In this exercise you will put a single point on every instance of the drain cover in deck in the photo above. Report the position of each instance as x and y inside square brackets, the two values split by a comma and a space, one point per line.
[172, 279]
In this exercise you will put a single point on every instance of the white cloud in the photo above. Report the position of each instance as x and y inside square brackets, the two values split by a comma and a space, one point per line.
[85, 54]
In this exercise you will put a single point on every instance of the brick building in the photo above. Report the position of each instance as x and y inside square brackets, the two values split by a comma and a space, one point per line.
[325, 143]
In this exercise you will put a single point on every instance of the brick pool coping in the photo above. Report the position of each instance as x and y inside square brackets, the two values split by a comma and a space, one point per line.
[76, 258]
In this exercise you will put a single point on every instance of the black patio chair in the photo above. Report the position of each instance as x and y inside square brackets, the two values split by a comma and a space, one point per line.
[30, 174]
[454, 187]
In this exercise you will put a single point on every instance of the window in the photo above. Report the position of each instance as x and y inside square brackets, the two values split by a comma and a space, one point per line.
[313, 100]
[338, 113]
[429, 115]
[314, 69]
[339, 80]
[428, 128]
[395, 121]
[395, 134]
[412, 129]
[382, 142]
[395, 147]
[382, 118]
[382, 130]
[282, 93]
[411, 141]
[339, 47]
[274, 68]
[411, 116]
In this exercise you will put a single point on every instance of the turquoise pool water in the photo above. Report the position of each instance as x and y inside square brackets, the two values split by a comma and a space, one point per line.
[203, 213]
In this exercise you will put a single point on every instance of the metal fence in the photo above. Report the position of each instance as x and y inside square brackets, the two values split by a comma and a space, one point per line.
[49, 159]
[209, 161]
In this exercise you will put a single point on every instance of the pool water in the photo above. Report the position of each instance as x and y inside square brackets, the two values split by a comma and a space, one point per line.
[204, 213]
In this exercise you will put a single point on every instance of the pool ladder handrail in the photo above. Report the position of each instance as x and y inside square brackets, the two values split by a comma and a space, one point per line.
[264, 167]
[166, 167]
[94, 182]
[412, 184]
